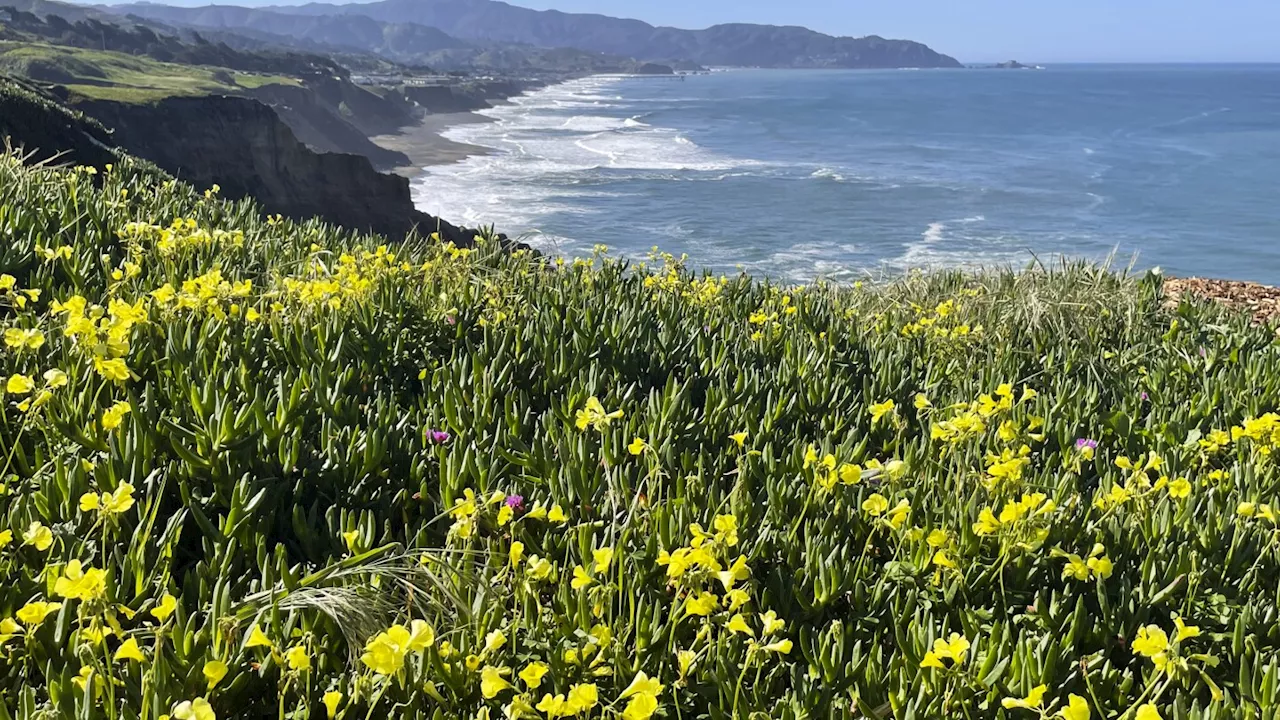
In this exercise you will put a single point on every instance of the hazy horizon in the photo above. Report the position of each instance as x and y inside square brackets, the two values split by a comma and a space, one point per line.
[983, 31]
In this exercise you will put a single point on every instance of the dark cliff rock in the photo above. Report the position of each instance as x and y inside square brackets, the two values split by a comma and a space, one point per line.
[655, 69]
[466, 97]
[35, 122]
[321, 126]
[240, 144]
[372, 111]
[446, 98]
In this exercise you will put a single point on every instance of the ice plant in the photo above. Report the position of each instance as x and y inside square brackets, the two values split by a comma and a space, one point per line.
[214, 495]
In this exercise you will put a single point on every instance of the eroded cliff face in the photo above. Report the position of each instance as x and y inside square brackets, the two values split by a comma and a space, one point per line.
[466, 97]
[241, 145]
[46, 131]
[320, 126]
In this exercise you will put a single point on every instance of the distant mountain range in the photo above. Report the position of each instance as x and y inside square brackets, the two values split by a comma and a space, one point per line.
[401, 42]
[410, 30]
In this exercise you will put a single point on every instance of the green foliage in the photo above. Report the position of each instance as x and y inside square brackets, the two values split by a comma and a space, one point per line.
[288, 453]
[116, 76]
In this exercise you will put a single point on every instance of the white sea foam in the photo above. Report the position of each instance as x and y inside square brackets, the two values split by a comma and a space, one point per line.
[937, 247]
[546, 149]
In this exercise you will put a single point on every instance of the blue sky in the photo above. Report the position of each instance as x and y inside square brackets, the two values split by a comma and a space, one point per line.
[992, 30]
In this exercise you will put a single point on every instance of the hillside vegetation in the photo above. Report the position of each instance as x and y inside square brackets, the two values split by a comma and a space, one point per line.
[117, 76]
[159, 43]
[261, 469]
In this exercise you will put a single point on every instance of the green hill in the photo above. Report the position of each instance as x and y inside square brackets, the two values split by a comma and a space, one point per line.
[116, 76]
[255, 468]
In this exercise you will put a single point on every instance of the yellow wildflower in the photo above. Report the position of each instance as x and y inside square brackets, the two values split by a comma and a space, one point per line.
[603, 557]
[165, 608]
[115, 370]
[1032, 701]
[642, 684]
[582, 697]
[492, 682]
[331, 700]
[771, 624]
[640, 707]
[533, 673]
[1185, 631]
[385, 652]
[1148, 712]
[875, 505]
[421, 636]
[79, 583]
[594, 415]
[701, 604]
[114, 415]
[685, 660]
[1077, 709]
[298, 659]
[257, 638]
[214, 671]
[581, 578]
[198, 709]
[954, 649]
[34, 613]
[879, 410]
[1151, 641]
[38, 536]
[129, 650]
[19, 385]
[23, 338]
[554, 706]
[738, 624]
[780, 646]
[9, 629]
[494, 641]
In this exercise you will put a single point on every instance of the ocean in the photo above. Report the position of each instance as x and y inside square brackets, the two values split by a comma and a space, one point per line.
[840, 174]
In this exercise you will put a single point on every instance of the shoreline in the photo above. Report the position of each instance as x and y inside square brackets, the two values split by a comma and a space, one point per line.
[424, 142]
[425, 145]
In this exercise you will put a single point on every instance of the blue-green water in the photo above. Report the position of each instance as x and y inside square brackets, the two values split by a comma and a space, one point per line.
[798, 174]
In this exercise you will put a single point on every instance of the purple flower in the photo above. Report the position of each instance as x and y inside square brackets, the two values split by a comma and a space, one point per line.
[1144, 397]
[438, 437]
[1083, 443]
[515, 502]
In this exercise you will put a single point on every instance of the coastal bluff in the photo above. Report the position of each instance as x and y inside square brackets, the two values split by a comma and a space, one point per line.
[244, 147]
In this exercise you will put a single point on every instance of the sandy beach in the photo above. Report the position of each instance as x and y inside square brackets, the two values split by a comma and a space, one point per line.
[425, 146]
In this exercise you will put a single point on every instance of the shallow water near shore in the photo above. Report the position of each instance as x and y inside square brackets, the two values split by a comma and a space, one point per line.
[801, 174]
